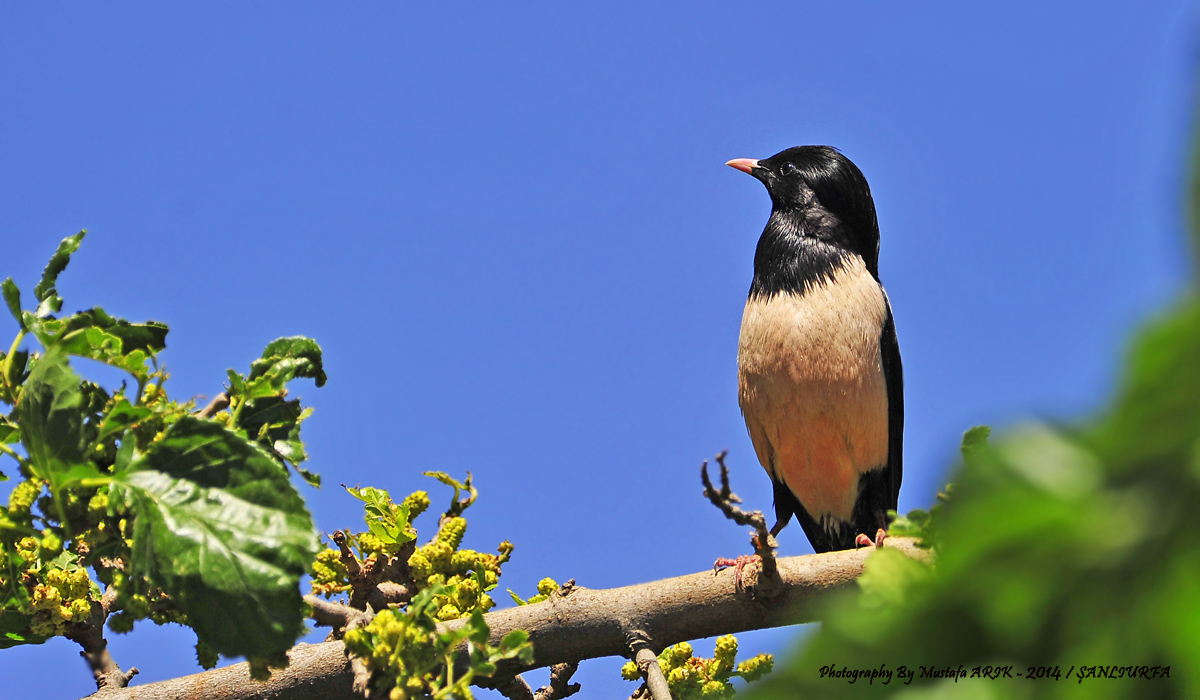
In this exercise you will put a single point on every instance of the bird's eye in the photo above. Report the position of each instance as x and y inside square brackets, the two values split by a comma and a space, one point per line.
[787, 169]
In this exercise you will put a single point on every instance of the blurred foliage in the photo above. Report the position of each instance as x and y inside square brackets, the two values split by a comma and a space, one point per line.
[693, 678]
[1065, 559]
[187, 519]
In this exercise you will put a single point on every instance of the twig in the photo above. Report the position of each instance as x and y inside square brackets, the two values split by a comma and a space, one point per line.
[376, 582]
[335, 615]
[89, 634]
[353, 568]
[560, 682]
[763, 542]
[219, 403]
[516, 688]
[647, 663]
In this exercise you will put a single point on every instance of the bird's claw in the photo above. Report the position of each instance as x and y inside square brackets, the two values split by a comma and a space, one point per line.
[737, 564]
[864, 541]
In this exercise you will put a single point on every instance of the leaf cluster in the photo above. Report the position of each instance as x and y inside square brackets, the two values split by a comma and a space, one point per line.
[186, 518]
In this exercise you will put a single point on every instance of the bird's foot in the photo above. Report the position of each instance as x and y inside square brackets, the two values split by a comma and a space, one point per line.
[864, 541]
[737, 564]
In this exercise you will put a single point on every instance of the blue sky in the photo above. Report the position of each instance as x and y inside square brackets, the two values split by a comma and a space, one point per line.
[512, 231]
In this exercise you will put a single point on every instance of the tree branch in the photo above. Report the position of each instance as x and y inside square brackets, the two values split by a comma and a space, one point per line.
[647, 663]
[586, 624]
[560, 683]
[219, 403]
[89, 634]
[763, 542]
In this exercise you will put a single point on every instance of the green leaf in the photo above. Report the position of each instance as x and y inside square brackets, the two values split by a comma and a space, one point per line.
[46, 291]
[96, 335]
[237, 383]
[311, 478]
[296, 356]
[514, 644]
[12, 298]
[16, 368]
[513, 639]
[14, 630]
[126, 452]
[221, 529]
[121, 417]
[477, 628]
[387, 521]
[516, 598]
[974, 440]
[274, 422]
[51, 418]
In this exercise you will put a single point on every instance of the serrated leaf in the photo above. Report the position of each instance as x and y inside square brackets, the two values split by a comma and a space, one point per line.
[387, 521]
[295, 356]
[51, 418]
[12, 299]
[96, 335]
[46, 290]
[237, 383]
[221, 529]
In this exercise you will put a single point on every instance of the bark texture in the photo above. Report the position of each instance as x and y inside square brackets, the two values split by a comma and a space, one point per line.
[585, 624]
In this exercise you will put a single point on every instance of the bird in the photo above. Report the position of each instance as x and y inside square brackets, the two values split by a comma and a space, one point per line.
[820, 381]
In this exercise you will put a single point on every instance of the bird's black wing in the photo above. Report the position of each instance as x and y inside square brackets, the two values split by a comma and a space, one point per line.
[893, 375]
[879, 489]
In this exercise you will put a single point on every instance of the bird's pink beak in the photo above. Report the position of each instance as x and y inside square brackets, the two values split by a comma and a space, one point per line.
[744, 164]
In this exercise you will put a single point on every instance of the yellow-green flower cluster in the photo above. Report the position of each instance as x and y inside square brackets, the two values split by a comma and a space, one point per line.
[329, 575]
[400, 650]
[135, 601]
[442, 562]
[417, 502]
[66, 596]
[22, 498]
[754, 668]
[545, 587]
[693, 678]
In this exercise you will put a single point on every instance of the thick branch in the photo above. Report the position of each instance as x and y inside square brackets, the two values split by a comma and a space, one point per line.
[584, 625]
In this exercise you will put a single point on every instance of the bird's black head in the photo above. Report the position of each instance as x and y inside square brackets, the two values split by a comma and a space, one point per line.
[817, 192]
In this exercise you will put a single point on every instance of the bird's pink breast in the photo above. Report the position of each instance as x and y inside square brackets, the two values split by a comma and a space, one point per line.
[812, 389]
